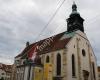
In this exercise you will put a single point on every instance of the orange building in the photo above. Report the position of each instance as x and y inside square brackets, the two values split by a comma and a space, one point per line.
[98, 72]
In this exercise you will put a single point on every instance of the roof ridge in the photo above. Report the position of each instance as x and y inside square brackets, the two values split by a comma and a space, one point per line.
[56, 38]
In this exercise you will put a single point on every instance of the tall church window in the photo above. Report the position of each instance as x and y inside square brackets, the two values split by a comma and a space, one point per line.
[93, 69]
[47, 59]
[73, 65]
[58, 66]
[83, 52]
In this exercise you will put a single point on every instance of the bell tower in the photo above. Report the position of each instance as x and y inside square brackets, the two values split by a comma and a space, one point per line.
[75, 21]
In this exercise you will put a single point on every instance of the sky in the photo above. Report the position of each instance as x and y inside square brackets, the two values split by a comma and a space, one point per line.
[23, 20]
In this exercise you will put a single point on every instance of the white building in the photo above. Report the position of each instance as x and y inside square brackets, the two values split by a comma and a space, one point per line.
[65, 56]
[5, 72]
[2, 74]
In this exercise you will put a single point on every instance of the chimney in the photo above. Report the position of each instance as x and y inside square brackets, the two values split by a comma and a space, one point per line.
[27, 43]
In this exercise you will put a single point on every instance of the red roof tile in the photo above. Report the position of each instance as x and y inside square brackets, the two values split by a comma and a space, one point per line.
[6, 68]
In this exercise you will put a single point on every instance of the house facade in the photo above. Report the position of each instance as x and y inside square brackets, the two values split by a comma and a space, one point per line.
[5, 72]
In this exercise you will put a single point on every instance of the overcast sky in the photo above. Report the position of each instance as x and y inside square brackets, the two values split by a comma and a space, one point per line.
[23, 20]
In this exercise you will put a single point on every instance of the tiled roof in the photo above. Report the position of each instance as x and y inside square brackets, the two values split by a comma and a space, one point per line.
[39, 43]
[6, 68]
[56, 44]
[59, 44]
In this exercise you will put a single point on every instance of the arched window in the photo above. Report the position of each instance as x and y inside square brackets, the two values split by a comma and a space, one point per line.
[73, 65]
[47, 59]
[93, 70]
[83, 52]
[58, 66]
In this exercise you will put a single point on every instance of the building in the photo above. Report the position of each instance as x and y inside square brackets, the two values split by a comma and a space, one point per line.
[98, 72]
[5, 72]
[2, 72]
[65, 56]
[13, 72]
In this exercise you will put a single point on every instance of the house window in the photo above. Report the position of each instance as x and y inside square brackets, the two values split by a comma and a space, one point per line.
[73, 65]
[58, 66]
[83, 52]
[47, 59]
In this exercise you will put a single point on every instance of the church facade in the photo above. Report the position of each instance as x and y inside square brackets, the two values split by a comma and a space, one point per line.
[65, 56]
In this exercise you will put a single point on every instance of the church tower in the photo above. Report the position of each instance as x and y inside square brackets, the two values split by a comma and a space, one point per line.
[75, 21]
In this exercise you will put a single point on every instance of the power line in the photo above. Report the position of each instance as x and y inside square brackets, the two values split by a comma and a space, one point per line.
[50, 19]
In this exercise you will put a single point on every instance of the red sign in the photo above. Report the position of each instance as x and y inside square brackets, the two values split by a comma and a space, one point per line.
[32, 52]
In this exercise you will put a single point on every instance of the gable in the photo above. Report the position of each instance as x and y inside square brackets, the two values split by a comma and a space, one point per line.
[81, 34]
[68, 35]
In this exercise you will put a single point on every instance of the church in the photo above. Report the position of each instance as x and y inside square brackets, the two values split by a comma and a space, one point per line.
[65, 56]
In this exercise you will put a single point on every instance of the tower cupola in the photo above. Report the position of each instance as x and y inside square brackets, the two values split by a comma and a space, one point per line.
[75, 21]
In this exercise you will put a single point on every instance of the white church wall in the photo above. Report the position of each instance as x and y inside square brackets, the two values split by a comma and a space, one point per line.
[84, 60]
[71, 50]
[93, 59]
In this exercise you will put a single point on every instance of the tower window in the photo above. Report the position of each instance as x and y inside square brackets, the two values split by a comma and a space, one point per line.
[73, 65]
[58, 66]
[47, 59]
[83, 52]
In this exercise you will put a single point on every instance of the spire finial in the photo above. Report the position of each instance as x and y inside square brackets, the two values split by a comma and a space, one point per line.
[74, 7]
[73, 2]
